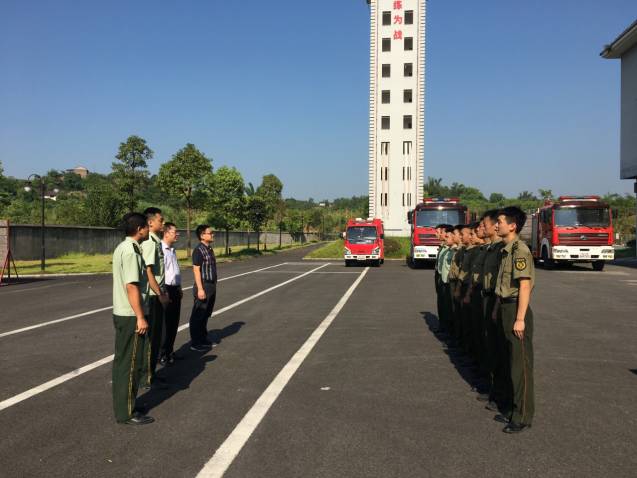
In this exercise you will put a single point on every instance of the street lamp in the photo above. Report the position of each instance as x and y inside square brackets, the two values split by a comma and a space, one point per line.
[322, 206]
[52, 196]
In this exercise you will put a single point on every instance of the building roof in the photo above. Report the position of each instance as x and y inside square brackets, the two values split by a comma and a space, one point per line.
[621, 44]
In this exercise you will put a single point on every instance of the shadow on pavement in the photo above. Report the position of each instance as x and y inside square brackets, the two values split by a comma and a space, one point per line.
[188, 367]
[24, 280]
[463, 364]
[634, 370]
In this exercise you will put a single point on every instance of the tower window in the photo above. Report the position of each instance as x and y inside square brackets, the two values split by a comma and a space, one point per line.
[387, 18]
[384, 148]
[385, 96]
[384, 122]
[386, 70]
[407, 121]
[409, 17]
[408, 43]
[386, 44]
[403, 199]
[407, 96]
[406, 147]
[409, 69]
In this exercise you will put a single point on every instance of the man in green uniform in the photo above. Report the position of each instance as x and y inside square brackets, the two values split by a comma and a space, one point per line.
[475, 298]
[497, 358]
[456, 260]
[440, 235]
[158, 298]
[130, 294]
[464, 278]
[444, 265]
[516, 277]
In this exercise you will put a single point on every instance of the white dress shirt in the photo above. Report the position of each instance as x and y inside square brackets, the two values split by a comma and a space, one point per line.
[173, 274]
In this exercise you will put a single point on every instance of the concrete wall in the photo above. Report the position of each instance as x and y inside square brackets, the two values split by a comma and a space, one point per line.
[59, 240]
[628, 163]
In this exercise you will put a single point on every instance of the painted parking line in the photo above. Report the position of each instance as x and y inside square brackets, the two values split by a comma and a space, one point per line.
[95, 311]
[230, 448]
[87, 368]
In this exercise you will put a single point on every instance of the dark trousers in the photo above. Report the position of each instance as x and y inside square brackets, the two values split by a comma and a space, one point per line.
[201, 311]
[465, 318]
[497, 355]
[456, 309]
[521, 359]
[155, 329]
[444, 316]
[171, 319]
[128, 366]
[477, 329]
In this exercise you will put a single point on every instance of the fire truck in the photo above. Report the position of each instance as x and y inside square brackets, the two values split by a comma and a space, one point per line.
[364, 241]
[424, 218]
[573, 229]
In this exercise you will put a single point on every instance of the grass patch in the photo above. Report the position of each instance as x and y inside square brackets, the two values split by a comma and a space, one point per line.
[395, 248]
[99, 263]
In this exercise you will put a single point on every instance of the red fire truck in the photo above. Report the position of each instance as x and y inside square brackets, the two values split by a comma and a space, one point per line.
[573, 229]
[424, 218]
[364, 241]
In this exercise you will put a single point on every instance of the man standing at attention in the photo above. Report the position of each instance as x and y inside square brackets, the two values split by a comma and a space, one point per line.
[158, 299]
[513, 288]
[173, 288]
[204, 267]
[130, 294]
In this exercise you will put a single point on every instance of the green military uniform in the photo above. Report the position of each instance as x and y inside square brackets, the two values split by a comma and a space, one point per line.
[477, 312]
[516, 264]
[442, 250]
[464, 276]
[496, 356]
[154, 257]
[128, 363]
[454, 290]
[445, 266]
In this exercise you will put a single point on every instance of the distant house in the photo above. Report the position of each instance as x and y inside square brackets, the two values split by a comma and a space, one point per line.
[624, 47]
[81, 171]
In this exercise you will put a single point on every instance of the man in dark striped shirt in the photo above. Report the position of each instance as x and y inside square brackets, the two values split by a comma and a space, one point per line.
[204, 266]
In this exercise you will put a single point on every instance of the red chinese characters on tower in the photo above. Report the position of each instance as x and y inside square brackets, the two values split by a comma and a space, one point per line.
[398, 35]
[398, 5]
[398, 20]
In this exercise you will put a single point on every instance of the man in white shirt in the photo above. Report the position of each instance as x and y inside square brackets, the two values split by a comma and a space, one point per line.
[173, 288]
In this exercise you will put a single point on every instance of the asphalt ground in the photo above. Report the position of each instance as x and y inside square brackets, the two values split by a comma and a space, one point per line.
[378, 395]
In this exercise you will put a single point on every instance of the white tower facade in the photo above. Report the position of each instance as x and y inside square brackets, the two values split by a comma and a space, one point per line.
[396, 110]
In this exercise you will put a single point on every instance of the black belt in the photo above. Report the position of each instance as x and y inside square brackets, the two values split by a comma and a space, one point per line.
[509, 300]
[168, 286]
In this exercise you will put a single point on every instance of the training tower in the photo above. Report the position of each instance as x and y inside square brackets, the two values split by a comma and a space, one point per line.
[396, 110]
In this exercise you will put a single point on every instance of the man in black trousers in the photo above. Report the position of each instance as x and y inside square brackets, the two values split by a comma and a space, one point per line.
[173, 288]
[204, 266]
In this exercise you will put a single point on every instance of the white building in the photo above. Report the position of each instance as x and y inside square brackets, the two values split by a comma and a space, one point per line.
[396, 110]
[625, 47]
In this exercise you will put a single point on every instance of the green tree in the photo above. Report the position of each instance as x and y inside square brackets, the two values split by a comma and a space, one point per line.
[434, 187]
[526, 196]
[256, 214]
[545, 194]
[103, 206]
[184, 177]
[497, 198]
[226, 200]
[130, 171]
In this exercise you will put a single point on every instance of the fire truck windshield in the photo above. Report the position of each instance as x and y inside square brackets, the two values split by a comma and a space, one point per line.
[361, 235]
[433, 217]
[571, 217]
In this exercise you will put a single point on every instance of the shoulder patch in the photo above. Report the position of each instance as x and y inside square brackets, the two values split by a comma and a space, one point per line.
[520, 263]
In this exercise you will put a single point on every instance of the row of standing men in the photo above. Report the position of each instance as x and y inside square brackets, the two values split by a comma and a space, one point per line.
[484, 279]
[147, 295]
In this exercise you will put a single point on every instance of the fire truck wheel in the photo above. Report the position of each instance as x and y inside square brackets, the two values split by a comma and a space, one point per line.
[348, 263]
[598, 265]
[546, 262]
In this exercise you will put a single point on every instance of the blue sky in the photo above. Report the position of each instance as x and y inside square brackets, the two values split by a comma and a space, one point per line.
[517, 95]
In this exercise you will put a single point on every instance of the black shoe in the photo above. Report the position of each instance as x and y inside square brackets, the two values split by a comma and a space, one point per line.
[483, 397]
[200, 348]
[170, 360]
[492, 406]
[502, 418]
[163, 360]
[513, 427]
[139, 419]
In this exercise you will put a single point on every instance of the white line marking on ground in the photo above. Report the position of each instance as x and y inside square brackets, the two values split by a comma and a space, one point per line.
[95, 311]
[87, 368]
[320, 272]
[230, 448]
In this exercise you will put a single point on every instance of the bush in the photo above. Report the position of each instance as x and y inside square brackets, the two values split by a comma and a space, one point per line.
[392, 246]
[631, 244]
